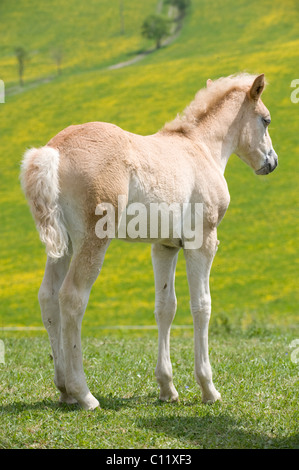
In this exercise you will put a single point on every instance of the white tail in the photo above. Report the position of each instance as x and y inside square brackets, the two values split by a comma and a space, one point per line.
[39, 179]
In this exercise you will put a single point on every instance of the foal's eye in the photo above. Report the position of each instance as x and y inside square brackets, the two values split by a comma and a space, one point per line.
[266, 121]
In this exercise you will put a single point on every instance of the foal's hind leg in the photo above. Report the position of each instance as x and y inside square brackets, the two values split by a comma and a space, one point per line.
[164, 263]
[73, 298]
[55, 273]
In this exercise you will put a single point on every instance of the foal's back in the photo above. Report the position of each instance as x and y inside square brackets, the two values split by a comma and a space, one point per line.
[100, 161]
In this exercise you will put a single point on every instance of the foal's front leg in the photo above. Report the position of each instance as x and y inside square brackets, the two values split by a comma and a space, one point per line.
[198, 263]
[164, 262]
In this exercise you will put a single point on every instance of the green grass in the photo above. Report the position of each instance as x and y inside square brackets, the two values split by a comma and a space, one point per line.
[89, 36]
[257, 380]
[261, 223]
[254, 285]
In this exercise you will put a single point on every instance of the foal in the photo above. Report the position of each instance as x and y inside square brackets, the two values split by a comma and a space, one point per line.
[87, 165]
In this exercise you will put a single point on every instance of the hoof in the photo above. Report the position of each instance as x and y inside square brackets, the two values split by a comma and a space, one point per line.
[65, 398]
[174, 399]
[170, 396]
[89, 403]
[210, 399]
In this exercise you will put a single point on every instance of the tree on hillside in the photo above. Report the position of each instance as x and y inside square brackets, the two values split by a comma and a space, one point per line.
[181, 5]
[122, 16]
[21, 56]
[57, 55]
[155, 27]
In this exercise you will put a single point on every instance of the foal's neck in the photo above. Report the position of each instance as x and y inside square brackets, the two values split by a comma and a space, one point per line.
[220, 132]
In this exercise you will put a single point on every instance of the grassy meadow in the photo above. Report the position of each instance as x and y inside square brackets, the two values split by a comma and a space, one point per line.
[254, 279]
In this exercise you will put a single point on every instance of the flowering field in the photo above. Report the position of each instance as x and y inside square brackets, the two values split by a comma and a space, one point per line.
[254, 274]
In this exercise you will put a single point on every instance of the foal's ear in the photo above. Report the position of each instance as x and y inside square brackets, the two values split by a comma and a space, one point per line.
[257, 87]
[209, 82]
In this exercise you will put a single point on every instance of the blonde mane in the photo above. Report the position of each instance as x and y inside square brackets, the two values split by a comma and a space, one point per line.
[207, 100]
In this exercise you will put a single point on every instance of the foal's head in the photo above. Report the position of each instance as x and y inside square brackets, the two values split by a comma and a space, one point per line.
[255, 146]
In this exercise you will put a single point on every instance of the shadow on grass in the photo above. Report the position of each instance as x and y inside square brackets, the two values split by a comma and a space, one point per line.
[209, 430]
[222, 431]
[106, 403]
[139, 51]
[43, 405]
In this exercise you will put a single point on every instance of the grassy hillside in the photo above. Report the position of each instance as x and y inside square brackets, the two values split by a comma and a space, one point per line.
[254, 276]
[89, 36]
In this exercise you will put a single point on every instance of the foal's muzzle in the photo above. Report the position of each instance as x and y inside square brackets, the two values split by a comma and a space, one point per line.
[271, 163]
